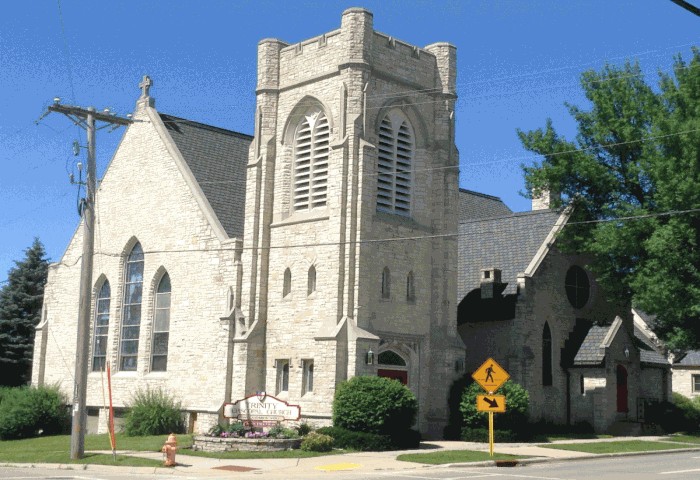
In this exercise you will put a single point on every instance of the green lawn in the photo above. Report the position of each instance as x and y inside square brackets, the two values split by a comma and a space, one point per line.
[453, 456]
[56, 449]
[683, 438]
[621, 446]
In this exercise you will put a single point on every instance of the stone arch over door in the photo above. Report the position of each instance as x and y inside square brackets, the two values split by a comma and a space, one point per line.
[392, 365]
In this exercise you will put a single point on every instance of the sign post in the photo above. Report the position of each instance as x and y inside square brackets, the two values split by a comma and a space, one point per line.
[490, 375]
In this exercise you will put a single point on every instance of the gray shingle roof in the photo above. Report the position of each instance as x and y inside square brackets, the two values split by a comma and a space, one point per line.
[590, 352]
[217, 159]
[648, 352]
[508, 243]
[691, 359]
[474, 205]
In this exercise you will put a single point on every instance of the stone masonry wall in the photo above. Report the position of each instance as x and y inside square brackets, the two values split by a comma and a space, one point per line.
[144, 197]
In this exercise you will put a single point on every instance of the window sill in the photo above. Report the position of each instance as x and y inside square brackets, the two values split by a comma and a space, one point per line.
[303, 217]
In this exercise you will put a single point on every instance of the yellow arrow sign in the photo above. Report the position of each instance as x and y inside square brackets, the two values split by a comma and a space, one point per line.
[491, 403]
[490, 375]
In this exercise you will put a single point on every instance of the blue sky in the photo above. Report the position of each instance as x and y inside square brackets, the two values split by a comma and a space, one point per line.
[518, 62]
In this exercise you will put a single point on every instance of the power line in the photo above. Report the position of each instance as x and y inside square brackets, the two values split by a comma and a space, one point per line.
[386, 239]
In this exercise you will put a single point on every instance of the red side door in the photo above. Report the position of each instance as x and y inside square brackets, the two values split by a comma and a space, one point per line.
[400, 375]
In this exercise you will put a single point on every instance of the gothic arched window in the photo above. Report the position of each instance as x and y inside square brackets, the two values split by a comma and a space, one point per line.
[131, 316]
[394, 168]
[546, 355]
[410, 288]
[287, 285]
[386, 283]
[101, 329]
[161, 326]
[311, 287]
[311, 149]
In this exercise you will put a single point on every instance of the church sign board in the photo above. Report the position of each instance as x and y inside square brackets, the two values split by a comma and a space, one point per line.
[261, 410]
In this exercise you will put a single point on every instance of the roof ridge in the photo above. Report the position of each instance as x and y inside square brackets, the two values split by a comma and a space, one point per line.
[174, 119]
[512, 215]
[485, 195]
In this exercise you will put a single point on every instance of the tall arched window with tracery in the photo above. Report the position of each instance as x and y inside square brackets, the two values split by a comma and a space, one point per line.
[161, 326]
[99, 340]
[394, 168]
[311, 149]
[131, 310]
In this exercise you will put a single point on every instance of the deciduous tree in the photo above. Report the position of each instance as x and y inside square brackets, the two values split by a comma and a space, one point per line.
[633, 177]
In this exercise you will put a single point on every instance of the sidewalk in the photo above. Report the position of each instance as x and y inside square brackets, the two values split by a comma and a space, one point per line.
[358, 462]
[369, 462]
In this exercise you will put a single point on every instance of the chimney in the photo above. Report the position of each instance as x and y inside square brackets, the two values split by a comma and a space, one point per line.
[490, 278]
[544, 200]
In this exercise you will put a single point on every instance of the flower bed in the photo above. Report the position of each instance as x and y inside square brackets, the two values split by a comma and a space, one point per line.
[241, 444]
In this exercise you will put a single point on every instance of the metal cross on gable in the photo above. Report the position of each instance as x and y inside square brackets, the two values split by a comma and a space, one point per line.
[145, 86]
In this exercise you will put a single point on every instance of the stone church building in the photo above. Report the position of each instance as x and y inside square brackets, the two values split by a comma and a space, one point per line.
[321, 248]
[335, 242]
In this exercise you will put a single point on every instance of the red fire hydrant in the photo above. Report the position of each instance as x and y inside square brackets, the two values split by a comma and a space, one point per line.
[169, 450]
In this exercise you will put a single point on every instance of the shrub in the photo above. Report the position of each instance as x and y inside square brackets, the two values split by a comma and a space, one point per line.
[317, 442]
[282, 432]
[153, 412]
[362, 441]
[482, 435]
[515, 417]
[406, 440]
[304, 429]
[374, 405]
[29, 412]
[681, 415]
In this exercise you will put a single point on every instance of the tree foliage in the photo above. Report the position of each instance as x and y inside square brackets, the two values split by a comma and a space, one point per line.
[20, 311]
[636, 154]
[517, 404]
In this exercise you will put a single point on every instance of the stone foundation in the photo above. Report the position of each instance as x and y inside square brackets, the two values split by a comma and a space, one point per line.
[219, 444]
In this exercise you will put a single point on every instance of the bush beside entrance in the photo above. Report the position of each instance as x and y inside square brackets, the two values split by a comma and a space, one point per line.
[374, 411]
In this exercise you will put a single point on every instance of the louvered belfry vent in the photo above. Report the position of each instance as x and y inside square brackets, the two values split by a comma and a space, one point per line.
[394, 169]
[311, 150]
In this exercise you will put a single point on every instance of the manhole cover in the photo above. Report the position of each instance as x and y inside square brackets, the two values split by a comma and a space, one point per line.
[235, 468]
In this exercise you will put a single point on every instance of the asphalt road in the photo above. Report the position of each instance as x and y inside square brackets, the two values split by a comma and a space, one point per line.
[674, 466]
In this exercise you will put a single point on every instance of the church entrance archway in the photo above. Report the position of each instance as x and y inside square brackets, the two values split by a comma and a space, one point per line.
[392, 365]
[622, 389]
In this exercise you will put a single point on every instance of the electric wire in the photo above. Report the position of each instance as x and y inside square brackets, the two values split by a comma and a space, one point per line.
[379, 240]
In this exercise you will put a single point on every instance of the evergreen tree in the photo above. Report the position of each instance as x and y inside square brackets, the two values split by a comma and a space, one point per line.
[633, 177]
[20, 312]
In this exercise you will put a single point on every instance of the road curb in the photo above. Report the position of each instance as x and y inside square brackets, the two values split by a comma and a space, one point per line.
[593, 456]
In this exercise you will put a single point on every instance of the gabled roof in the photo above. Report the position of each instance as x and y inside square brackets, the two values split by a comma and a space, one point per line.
[691, 359]
[475, 205]
[648, 351]
[507, 242]
[592, 352]
[217, 159]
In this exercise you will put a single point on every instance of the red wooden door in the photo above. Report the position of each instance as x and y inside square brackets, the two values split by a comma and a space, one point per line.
[400, 375]
[622, 389]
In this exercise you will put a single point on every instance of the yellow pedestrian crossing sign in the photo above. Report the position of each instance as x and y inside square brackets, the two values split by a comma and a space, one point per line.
[490, 375]
[491, 403]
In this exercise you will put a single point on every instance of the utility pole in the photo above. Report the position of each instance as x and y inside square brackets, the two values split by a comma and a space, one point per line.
[85, 118]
